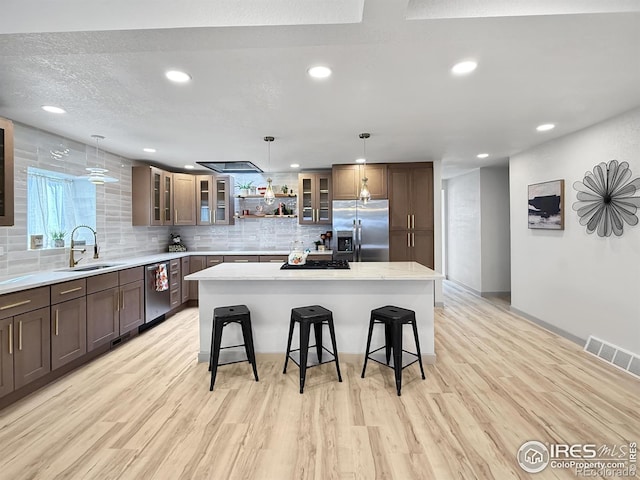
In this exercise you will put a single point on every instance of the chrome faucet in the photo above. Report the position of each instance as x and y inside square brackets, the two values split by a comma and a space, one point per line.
[72, 261]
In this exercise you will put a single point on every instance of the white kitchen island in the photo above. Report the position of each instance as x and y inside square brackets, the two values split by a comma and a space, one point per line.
[271, 293]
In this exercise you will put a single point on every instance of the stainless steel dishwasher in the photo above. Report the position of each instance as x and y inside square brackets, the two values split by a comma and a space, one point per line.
[157, 297]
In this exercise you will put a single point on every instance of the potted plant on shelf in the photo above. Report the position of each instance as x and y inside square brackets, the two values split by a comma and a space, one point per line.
[244, 188]
[285, 189]
[58, 238]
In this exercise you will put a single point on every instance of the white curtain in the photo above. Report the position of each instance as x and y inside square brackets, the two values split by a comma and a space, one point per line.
[51, 206]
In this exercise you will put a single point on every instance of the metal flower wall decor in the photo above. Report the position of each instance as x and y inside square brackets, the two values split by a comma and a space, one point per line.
[606, 198]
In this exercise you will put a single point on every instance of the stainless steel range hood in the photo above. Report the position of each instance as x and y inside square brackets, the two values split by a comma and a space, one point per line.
[231, 167]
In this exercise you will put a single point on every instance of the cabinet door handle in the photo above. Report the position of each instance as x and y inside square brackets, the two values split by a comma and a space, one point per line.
[214, 217]
[210, 216]
[117, 299]
[70, 290]
[20, 335]
[17, 304]
[241, 261]
[413, 221]
[413, 239]
[408, 239]
[122, 297]
[175, 215]
[11, 339]
[55, 327]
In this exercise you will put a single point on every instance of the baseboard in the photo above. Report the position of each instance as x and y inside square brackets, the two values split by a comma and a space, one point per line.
[466, 287]
[494, 294]
[550, 327]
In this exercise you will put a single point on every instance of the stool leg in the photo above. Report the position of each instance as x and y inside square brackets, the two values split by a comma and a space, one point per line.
[211, 347]
[248, 345]
[366, 352]
[388, 339]
[286, 358]
[397, 354]
[415, 337]
[317, 328]
[304, 349]
[335, 348]
[217, 339]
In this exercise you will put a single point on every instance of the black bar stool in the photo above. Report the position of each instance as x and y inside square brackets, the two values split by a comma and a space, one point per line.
[306, 316]
[223, 316]
[393, 319]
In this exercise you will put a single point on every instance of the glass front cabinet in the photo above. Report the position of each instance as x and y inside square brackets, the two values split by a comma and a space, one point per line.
[314, 193]
[214, 200]
[6, 172]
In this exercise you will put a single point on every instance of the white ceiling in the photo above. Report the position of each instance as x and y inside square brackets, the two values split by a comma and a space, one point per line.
[391, 60]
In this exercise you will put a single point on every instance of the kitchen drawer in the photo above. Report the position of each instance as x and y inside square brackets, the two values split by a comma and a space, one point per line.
[16, 303]
[174, 265]
[102, 282]
[241, 258]
[174, 278]
[213, 260]
[274, 258]
[130, 275]
[61, 292]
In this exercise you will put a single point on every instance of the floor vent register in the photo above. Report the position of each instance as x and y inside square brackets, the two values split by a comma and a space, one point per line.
[616, 356]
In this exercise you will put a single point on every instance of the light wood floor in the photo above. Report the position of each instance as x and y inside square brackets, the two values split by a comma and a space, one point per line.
[144, 411]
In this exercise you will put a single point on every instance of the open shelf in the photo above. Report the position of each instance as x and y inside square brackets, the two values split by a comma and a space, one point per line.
[278, 195]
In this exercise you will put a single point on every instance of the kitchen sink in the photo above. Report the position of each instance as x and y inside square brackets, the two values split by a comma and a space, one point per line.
[89, 268]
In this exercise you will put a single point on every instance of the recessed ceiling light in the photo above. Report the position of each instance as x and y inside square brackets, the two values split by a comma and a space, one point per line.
[149, 150]
[545, 127]
[295, 165]
[319, 71]
[52, 109]
[482, 155]
[178, 76]
[463, 68]
[189, 167]
[361, 160]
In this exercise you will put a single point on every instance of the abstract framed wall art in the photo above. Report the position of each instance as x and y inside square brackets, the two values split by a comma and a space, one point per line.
[546, 205]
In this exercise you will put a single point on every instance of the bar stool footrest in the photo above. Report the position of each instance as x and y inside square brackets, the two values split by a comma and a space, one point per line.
[408, 358]
[312, 357]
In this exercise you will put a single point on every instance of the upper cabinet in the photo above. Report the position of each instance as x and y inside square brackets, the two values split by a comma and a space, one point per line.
[6, 172]
[347, 181]
[213, 199]
[152, 199]
[164, 198]
[314, 198]
[184, 199]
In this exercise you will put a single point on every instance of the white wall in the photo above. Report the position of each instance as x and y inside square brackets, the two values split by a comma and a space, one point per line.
[495, 243]
[464, 230]
[580, 283]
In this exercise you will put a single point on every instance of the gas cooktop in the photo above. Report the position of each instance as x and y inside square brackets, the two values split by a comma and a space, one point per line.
[319, 265]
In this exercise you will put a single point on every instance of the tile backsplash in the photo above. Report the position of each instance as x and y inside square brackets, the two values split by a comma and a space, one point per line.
[116, 236]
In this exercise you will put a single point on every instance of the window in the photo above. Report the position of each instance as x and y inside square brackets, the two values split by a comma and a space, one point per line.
[57, 202]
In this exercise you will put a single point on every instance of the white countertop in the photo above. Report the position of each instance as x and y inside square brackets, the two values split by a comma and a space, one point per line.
[358, 271]
[16, 283]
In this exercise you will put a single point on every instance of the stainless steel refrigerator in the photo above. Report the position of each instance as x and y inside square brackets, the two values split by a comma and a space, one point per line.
[361, 230]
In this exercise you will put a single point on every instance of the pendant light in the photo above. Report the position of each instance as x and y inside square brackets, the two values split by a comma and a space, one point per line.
[269, 195]
[365, 195]
[96, 174]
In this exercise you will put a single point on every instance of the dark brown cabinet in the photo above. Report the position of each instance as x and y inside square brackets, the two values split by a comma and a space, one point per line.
[241, 258]
[6, 172]
[185, 269]
[411, 213]
[196, 263]
[347, 181]
[103, 320]
[175, 282]
[25, 343]
[68, 322]
[131, 299]
[314, 198]
[184, 199]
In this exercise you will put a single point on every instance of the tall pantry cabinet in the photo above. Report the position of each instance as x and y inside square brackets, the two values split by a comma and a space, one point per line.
[411, 213]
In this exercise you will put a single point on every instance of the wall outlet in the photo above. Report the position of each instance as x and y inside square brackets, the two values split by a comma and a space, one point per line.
[196, 238]
[154, 239]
